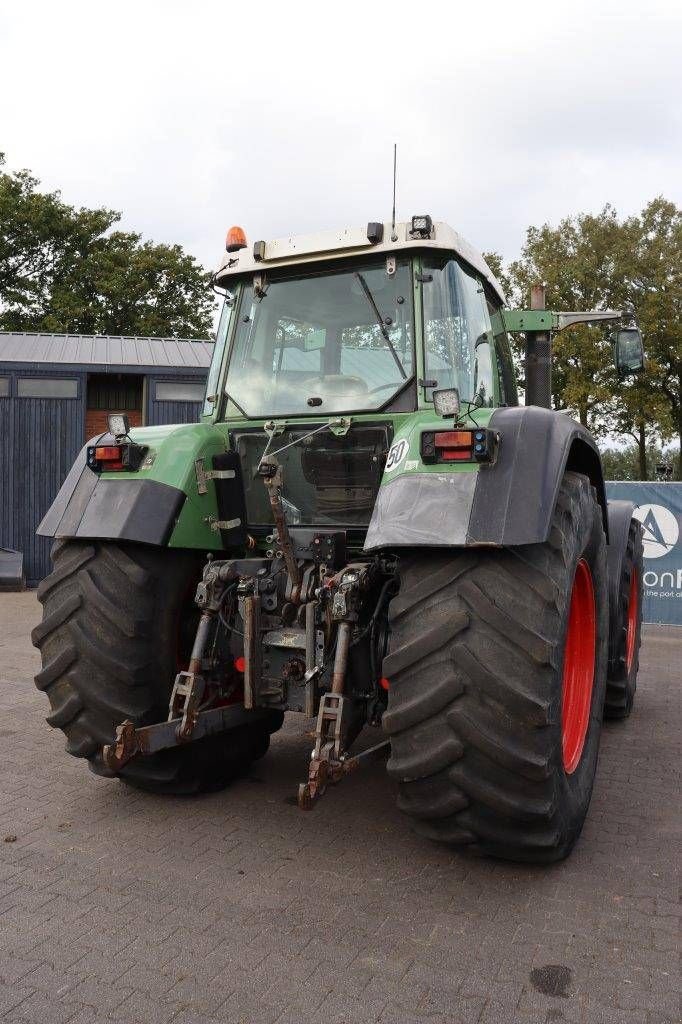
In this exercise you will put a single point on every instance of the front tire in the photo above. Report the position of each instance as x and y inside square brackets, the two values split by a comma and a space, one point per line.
[497, 669]
[109, 641]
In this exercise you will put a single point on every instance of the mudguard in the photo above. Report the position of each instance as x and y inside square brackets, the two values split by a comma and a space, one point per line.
[90, 506]
[161, 503]
[620, 517]
[505, 504]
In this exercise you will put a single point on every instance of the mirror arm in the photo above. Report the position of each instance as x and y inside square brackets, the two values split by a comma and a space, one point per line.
[524, 320]
[563, 320]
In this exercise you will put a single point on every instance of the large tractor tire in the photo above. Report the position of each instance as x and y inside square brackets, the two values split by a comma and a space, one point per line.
[497, 670]
[627, 632]
[117, 623]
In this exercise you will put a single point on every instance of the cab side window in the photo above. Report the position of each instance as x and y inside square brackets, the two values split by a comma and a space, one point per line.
[505, 365]
[457, 331]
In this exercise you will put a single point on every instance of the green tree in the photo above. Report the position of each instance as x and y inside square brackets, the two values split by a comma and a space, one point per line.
[598, 262]
[654, 282]
[496, 264]
[624, 463]
[577, 261]
[64, 270]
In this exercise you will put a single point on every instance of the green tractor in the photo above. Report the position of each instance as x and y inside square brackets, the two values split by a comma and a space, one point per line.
[364, 527]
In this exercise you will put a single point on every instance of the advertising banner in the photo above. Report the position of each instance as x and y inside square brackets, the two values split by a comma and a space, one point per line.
[659, 509]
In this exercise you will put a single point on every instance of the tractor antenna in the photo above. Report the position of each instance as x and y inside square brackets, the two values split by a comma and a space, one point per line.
[394, 237]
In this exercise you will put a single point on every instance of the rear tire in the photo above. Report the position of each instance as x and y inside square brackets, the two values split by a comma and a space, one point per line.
[624, 656]
[109, 640]
[476, 671]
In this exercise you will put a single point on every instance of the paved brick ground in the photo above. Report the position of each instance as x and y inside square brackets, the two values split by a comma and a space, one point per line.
[238, 908]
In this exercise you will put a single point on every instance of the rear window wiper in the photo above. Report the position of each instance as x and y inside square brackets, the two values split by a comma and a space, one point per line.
[382, 325]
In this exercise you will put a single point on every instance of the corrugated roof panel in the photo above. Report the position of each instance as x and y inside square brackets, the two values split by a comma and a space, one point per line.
[159, 352]
[14, 347]
[127, 351]
[86, 350]
[191, 355]
[101, 350]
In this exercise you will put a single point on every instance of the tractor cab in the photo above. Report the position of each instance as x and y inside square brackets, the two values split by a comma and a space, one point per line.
[342, 323]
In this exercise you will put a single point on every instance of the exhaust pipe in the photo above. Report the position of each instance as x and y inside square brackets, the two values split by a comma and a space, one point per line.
[538, 361]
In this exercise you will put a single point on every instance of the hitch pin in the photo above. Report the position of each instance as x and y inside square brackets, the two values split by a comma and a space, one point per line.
[364, 753]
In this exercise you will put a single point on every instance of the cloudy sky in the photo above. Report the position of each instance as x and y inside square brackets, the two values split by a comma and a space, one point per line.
[281, 116]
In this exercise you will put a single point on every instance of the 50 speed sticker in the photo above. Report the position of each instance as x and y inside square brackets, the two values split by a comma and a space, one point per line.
[396, 455]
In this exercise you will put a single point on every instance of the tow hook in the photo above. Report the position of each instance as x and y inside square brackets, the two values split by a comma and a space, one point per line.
[322, 773]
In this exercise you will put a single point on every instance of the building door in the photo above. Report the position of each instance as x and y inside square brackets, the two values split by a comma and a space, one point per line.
[44, 432]
[112, 392]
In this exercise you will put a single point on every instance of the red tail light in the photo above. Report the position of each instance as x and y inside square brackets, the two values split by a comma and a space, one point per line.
[108, 453]
[112, 458]
[453, 439]
[109, 458]
[453, 445]
[479, 445]
[455, 455]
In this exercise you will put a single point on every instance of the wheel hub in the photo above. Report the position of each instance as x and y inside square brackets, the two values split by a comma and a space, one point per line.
[578, 675]
[633, 616]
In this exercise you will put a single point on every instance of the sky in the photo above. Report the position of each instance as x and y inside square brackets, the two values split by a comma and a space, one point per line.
[281, 116]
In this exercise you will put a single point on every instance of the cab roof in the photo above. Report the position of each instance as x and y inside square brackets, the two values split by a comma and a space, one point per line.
[328, 245]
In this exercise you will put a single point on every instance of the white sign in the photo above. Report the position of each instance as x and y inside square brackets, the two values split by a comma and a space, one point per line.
[396, 455]
[660, 528]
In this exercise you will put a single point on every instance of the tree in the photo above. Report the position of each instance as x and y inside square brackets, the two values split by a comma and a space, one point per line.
[496, 264]
[598, 262]
[655, 285]
[576, 261]
[624, 463]
[65, 270]
[638, 410]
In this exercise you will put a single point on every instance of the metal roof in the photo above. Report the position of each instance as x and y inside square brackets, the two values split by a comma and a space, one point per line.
[103, 350]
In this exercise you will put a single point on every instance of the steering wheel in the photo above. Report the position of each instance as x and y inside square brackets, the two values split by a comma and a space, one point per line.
[383, 387]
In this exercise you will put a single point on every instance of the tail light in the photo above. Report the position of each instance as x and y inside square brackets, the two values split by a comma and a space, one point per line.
[458, 445]
[115, 458]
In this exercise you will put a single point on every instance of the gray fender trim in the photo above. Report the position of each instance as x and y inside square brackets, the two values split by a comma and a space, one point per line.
[620, 517]
[422, 510]
[503, 505]
[90, 507]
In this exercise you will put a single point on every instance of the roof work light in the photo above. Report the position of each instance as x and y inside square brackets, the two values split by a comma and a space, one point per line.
[119, 424]
[422, 226]
[446, 402]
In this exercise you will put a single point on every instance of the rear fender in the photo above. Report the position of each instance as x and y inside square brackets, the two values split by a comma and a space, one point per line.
[508, 503]
[158, 504]
[514, 499]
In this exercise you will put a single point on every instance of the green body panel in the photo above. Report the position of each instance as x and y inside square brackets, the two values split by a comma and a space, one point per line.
[516, 320]
[173, 451]
[409, 428]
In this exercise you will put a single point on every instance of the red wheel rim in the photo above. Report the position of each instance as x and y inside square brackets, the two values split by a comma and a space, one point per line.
[633, 617]
[578, 677]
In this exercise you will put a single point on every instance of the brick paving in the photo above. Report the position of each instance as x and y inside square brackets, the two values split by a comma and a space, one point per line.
[239, 908]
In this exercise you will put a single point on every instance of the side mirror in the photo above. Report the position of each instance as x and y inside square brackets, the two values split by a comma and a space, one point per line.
[629, 351]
